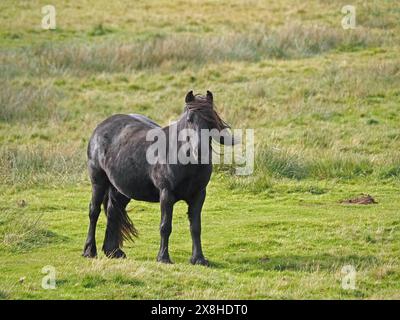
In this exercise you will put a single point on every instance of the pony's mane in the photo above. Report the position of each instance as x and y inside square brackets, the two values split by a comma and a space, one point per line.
[206, 110]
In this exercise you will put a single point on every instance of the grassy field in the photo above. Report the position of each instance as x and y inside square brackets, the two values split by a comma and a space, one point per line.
[325, 106]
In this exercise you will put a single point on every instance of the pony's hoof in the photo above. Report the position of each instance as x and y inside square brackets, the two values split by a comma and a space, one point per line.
[115, 254]
[166, 260]
[200, 260]
[89, 251]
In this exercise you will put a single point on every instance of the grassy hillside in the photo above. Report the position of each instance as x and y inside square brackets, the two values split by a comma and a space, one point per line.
[325, 106]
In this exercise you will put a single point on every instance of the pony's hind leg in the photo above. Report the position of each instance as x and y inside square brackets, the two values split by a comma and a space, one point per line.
[119, 226]
[100, 186]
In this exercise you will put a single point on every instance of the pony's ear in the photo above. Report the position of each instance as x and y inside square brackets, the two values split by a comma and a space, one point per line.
[189, 96]
[209, 96]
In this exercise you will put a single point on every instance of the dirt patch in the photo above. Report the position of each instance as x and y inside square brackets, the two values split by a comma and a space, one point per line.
[362, 199]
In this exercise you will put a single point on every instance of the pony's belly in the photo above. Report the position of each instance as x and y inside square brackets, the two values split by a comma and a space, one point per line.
[142, 191]
[148, 197]
[134, 186]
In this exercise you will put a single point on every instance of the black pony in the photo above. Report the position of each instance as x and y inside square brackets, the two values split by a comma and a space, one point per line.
[119, 171]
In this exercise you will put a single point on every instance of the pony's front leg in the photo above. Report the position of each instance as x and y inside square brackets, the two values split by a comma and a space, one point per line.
[99, 188]
[194, 212]
[167, 201]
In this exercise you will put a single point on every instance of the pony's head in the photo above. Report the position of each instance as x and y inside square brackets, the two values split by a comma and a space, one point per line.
[200, 111]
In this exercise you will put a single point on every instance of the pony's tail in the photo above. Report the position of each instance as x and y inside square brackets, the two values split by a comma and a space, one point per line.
[128, 230]
[123, 225]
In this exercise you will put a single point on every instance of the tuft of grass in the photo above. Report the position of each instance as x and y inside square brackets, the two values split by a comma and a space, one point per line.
[316, 190]
[37, 164]
[92, 281]
[272, 162]
[4, 294]
[254, 183]
[317, 139]
[372, 122]
[391, 170]
[280, 163]
[342, 166]
[22, 233]
[295, 40]
[121, 279]
[29, 103]
[99, 30]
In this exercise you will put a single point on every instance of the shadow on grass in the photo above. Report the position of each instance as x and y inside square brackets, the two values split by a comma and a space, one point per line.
[311, 263]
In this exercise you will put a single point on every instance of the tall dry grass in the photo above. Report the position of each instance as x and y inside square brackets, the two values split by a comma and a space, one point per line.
[293, 40]
[38, 164]
[29, 102]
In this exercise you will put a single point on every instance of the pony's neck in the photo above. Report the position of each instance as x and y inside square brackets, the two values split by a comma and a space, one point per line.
[175, 128]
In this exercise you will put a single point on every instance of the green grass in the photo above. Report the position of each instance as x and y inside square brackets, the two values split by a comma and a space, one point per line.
[288, 242]
[325, 106]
